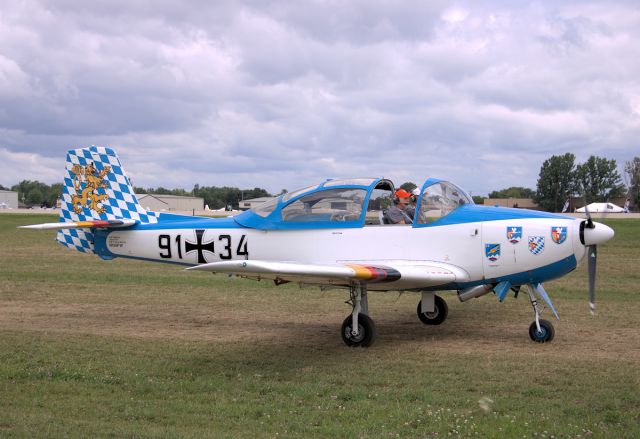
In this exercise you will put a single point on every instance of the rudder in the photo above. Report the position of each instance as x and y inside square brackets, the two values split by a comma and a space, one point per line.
[96, 188]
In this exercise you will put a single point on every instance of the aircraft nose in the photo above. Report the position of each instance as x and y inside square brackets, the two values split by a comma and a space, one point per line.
[599, 234]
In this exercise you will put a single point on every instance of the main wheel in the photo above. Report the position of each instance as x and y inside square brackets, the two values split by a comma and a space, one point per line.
[436, 317]
[545, 334]
[366, 331]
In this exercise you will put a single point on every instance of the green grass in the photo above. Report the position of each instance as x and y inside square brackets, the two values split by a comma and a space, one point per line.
[90, 348]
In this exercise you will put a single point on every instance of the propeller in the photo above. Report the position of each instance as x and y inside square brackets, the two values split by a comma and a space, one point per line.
[589, 222]
[592, 253]
[593, 257]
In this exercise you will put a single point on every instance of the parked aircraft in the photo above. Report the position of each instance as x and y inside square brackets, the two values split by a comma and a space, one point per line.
[334, 234]
[601, 208]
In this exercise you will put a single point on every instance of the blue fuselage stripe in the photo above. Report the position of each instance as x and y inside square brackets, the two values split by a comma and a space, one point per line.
[537, 275]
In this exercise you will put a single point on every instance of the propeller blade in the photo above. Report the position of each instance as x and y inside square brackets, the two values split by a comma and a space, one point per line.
[589, 223]
[593, 257]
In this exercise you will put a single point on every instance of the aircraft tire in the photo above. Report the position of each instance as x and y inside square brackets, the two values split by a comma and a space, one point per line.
[366, 328]
[545, 334]
[436, 317]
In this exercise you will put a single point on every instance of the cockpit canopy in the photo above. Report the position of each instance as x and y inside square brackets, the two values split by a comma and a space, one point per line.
[349, 203]
[438, 199]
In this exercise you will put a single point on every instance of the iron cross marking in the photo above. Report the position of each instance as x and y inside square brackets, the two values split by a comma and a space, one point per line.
[199, 246]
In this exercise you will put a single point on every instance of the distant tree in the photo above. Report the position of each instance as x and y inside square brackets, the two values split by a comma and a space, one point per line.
[408, 186]
[55, 192]
[36, 193]
[32, 193]
[632, 177]
[556, 182]
[598, 179]
[478, 199]
[513, 192]
[2, 188]
[34, 197]
[162, 191]
[256, 192]
[219, 197]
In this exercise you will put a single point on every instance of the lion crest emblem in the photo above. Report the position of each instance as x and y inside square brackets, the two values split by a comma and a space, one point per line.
[87, 181]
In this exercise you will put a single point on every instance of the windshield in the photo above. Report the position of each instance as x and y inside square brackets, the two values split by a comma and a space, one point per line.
[440, 199]
[265, 209]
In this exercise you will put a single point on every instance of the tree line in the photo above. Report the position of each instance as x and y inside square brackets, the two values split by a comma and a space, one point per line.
[215, 197]
[597, 180]
[560, 178]
[35, 193]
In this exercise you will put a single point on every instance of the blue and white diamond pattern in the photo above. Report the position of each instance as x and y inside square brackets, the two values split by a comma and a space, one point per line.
[536, 244]
[120, 204]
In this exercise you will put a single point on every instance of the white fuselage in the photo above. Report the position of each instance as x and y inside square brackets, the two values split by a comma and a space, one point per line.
[461, 245]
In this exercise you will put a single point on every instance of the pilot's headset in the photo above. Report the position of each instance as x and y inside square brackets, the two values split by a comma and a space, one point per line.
[414, 195]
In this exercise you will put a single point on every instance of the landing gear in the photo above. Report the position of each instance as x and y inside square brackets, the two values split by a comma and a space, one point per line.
[435, 317]
[544, 334]
[540, 331]
[358, 329]
[365, 335]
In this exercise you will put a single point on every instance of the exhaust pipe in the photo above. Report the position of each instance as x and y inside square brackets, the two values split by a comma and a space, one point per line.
[477, 291]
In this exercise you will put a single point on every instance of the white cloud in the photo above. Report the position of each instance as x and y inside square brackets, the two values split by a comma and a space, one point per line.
[284, 94]
[18, 166]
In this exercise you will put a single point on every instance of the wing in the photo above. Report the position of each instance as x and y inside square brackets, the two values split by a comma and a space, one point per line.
[401, 274]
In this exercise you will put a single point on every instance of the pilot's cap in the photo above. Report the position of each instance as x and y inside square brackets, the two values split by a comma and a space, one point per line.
[401, 193]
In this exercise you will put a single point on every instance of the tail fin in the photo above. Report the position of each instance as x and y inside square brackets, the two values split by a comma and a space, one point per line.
[96, 188]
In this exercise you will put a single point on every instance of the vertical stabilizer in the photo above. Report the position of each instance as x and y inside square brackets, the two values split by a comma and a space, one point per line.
[96, 188]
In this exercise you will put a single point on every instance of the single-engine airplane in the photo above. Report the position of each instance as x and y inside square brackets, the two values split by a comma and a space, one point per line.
[334, 234]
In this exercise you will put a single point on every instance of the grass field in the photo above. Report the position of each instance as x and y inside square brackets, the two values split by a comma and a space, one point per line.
[90, 348]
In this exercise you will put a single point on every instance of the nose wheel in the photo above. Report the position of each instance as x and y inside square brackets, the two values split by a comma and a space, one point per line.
[437, 315]
[540, 330]
[543, 334]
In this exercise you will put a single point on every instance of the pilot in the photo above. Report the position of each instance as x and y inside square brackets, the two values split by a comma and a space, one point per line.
[411, 208]
[397, 214]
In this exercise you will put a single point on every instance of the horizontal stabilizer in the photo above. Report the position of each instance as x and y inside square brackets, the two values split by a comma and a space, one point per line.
[99, 224]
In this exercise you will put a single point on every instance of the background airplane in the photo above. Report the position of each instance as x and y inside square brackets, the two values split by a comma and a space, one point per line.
[332, 234]
[600, 208]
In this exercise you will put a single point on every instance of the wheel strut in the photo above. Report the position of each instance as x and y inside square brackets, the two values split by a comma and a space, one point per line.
[358, 329]
[360, 304]
[540, 331]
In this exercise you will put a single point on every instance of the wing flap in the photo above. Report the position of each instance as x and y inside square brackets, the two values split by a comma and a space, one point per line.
[270, 269]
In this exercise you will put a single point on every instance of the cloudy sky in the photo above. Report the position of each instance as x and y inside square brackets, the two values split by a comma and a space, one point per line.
[282, 94]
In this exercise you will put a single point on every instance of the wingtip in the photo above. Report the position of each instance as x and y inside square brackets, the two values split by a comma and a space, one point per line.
[34, 226]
